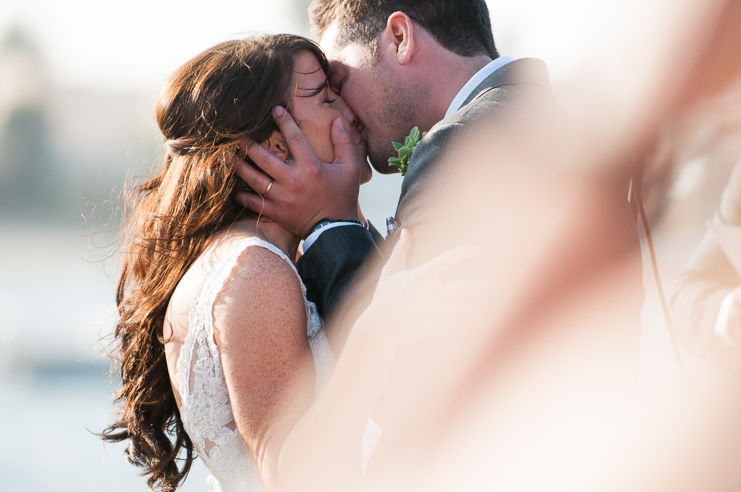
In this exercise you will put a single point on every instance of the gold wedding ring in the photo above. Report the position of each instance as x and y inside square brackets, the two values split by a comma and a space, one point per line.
[267, 190]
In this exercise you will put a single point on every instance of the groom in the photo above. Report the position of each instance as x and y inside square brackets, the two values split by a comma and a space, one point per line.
[398, 64]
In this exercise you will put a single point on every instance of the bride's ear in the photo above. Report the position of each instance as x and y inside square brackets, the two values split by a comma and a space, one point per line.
[277, 146]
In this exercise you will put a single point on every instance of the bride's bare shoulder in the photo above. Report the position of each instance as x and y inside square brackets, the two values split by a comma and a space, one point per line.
[262, 290]
[259, 270]
[258, 276]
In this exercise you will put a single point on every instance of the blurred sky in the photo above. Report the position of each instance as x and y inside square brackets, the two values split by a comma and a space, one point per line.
[136, 44]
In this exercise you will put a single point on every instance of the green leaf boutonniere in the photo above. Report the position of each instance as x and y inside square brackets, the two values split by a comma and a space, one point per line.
[405, 151]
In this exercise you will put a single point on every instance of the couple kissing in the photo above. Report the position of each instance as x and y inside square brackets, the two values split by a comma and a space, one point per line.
[290, 370]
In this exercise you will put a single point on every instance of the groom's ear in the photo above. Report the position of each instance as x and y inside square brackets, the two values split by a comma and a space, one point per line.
[399, 34]
[277, 146]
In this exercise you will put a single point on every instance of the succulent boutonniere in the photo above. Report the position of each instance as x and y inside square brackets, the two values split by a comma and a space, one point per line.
[405, 150]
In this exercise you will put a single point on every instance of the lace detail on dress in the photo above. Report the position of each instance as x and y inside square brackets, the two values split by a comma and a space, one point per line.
[205, 406]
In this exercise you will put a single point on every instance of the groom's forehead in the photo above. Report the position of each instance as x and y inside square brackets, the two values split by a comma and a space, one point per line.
[339, 51]
[330, 42]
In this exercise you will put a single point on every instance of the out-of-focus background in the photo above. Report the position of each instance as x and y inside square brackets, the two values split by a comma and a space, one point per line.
[78, 82]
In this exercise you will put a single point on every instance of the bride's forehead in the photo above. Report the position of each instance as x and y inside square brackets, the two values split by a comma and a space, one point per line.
[307, 64]
[308, 76]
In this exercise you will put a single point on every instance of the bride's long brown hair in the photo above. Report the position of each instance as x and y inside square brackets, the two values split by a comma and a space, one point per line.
[206, 107]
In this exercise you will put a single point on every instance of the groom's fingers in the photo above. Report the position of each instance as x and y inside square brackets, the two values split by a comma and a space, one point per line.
[256, 203]
[344, 150]
[264, 159]
[297, 144]
[254, 178]
[397, 262]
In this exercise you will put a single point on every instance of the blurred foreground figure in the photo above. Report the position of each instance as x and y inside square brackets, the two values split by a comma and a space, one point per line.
[551, 367]
[540, 394]
[707, 303]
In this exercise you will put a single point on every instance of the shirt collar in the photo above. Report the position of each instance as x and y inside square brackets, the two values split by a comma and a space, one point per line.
[474, 82]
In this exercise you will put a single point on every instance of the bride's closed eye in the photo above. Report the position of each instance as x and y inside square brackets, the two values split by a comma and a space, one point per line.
[327, 98]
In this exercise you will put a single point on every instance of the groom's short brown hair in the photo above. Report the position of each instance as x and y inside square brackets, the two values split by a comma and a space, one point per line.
[461, 26]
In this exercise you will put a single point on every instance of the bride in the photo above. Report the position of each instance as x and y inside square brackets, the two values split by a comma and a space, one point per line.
[221, 355]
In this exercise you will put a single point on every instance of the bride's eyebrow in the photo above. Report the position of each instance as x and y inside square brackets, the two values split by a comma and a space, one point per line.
[312, 91]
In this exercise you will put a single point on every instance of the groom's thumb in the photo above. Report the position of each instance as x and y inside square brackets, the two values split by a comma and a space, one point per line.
[344, 150]
[397, 262]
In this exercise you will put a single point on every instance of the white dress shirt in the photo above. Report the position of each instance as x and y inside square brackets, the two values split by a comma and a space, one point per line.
[458, 101]
[315, 235]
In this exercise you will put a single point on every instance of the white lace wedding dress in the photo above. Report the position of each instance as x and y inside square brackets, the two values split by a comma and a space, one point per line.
[205, 407]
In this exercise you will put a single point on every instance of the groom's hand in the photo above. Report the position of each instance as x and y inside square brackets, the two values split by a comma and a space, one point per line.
[305, 191]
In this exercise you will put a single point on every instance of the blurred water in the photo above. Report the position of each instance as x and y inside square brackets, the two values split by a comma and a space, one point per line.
[47, 423]
[56, 300]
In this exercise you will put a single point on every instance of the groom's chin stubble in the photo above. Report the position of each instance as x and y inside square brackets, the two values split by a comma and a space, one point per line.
[381, 164]
[386, 169]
